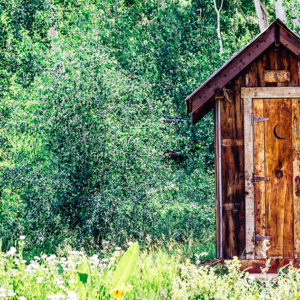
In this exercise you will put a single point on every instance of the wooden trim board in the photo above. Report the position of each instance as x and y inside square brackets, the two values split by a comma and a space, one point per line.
[248, 94]
[270, 92]
[219, 207]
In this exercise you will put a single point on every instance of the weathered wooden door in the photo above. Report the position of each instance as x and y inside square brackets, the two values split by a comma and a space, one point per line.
[276, 176]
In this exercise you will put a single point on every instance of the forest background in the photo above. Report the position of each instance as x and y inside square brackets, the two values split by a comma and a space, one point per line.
[95, 141]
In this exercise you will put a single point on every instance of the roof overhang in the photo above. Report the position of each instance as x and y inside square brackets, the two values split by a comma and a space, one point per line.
[201, 100]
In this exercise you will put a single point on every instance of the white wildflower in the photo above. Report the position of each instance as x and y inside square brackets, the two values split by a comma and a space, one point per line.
[58, 282]
[72, 295]
[12, 251]
[22, 298]
[118, 248]
[56, 296]
[11, 293]
[112, 259]
[37, 258]
[104, 260]
[22, 237]
[39, 279]
[130, 243]
[12, 274]
[117, 253]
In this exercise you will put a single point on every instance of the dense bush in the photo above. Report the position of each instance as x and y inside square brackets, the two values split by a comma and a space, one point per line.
[86, 114]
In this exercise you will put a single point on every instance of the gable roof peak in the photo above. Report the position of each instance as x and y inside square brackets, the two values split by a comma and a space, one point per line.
[200, 101]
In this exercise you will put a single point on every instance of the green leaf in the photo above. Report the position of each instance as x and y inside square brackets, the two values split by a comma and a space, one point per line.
[125, 266]
[60, 269]
[83, 277]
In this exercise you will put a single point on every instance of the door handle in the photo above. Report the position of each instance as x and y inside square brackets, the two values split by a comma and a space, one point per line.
[297, 179]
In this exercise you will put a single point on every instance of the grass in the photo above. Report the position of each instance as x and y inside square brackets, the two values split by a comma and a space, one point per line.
[160, 273]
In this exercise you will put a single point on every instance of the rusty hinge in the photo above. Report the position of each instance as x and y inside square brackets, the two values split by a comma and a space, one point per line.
[258, 119]
[259, 238]
[259, 178]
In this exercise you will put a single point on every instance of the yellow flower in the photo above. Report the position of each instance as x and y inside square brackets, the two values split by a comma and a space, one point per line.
[118, 293]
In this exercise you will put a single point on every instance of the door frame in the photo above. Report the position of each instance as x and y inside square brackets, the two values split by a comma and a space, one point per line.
[247, 95]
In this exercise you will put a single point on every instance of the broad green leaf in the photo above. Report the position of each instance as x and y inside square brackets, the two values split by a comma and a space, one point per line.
[125, 266]
[83, 277]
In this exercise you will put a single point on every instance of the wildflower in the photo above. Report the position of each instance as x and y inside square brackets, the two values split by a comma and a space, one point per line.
[57, 282]
[22, 237]
[118, 293]
[11, 293]
[129, 244]
[22, 298]
[104, 260]
[116, 253]
[203, 254]
[57, 296]
[12, 274]
[63, 259]
[12, 251]
[37, 258]
[72, 295]
[118, 248]
[112, 259]
[39, 279]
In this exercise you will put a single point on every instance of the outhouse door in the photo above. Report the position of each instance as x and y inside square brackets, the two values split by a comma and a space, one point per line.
[272, 173]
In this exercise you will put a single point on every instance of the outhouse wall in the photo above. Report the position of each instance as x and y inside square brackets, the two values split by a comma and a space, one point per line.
[231, 233]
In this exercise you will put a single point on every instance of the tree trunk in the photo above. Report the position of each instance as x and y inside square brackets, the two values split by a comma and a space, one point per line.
[279, 10]
[218, 11]
[261, 15]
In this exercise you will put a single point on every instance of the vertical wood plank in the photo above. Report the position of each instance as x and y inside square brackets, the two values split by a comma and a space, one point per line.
[259, 170]
[278, 158]
[296, 172]
[249, 188]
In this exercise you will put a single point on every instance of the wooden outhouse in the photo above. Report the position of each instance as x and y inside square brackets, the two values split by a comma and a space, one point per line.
[256, 99]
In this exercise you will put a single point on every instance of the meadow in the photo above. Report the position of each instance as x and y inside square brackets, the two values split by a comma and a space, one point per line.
[116, 273]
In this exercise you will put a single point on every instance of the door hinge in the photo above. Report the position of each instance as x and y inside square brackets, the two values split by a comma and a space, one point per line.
[259, 178]
[256, 119]
[259, 238]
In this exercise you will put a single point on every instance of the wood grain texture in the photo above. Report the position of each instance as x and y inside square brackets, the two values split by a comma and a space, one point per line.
[279, 197]
[296, 172]
[249, 169]
[277, 76]
[259, 170]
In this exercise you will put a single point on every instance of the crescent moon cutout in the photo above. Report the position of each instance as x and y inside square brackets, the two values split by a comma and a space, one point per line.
[276, 135]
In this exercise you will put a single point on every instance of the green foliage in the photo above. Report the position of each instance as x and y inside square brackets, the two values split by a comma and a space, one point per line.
[84, 141]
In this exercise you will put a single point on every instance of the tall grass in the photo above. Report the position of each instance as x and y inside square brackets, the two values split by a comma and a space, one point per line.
[160, 273]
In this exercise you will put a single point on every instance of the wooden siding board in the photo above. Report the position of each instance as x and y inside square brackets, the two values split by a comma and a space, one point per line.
[259, 170]
[278, 157]
[296, 172]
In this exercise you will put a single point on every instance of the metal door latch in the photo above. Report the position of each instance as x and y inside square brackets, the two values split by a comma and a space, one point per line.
[259, 178]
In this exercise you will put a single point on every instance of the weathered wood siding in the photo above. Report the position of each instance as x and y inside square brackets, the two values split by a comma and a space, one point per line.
[232, 142]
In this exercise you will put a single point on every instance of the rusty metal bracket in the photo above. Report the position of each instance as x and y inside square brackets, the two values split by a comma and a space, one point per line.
[259, 178]
[258, 119]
